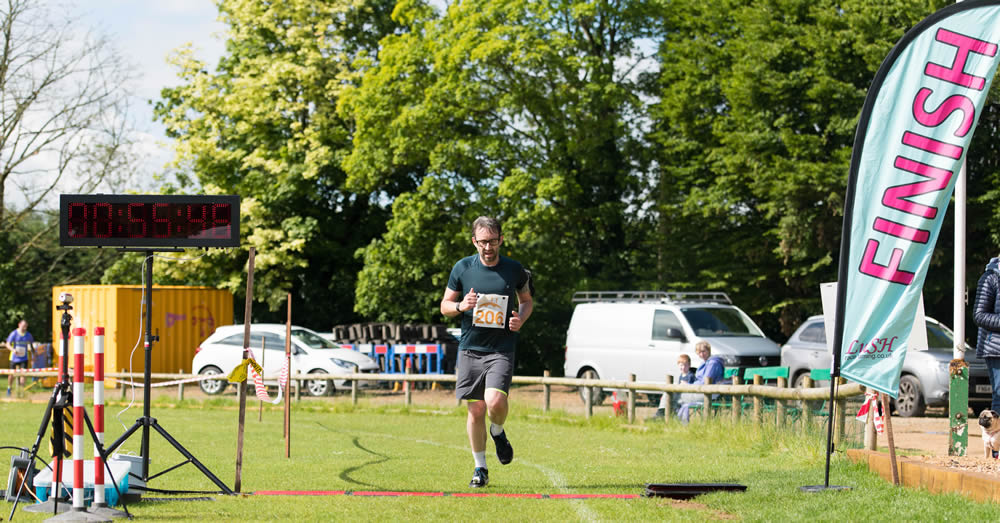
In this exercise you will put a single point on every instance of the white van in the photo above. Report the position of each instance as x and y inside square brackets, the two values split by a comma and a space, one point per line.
[617, 333]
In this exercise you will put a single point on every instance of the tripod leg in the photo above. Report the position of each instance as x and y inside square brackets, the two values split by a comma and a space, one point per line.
[121, 439]
[180, 448]
[34, 448]
[104, 462]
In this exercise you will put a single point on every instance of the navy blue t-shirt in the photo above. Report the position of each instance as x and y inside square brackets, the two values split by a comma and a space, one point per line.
[503, 279]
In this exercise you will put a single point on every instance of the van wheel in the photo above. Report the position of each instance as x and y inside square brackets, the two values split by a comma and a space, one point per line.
[596, 393]
[911, 398]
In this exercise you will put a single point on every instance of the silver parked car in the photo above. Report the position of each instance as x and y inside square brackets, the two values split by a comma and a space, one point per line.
[924, 380]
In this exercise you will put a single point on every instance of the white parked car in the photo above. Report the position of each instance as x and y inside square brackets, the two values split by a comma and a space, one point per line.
[221, 352]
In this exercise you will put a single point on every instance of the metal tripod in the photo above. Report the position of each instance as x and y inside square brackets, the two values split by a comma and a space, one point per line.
[146, 421]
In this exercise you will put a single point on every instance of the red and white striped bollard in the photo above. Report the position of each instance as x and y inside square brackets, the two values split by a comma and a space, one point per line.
[99, 500]
[78, 421]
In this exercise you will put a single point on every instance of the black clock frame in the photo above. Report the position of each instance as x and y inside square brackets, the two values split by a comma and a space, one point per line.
[148, 240]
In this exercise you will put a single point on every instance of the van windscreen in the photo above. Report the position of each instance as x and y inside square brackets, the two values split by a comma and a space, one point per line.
[716, 322]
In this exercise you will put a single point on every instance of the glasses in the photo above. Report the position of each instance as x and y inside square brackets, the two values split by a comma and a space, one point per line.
[492, 242]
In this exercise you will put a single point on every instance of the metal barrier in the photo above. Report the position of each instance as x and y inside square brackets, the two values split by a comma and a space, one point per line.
[380, 352]
[425, 358]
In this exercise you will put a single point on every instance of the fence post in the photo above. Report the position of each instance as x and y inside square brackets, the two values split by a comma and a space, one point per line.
[298, 387]
[707, 405]
[668, 401]
[546, 392]
[758, 414]
[631, 400]
[871, 437]
[737, 401]
[407, 394]
[122, 385]
[807, 383]
[779, 405]
[354, 386]
[180, 387]
[841, 417]
[587, 403]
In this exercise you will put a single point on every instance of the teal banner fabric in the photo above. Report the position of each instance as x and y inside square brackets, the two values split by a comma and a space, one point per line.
[912, 138]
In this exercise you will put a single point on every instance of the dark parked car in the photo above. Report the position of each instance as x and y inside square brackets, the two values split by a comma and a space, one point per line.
[924, 380]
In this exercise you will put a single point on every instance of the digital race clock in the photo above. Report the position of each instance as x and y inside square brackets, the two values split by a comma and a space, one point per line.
[118, 220]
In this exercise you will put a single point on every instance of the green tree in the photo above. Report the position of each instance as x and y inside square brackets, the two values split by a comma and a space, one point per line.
[755, 127]
[264, 125]
[531, 111]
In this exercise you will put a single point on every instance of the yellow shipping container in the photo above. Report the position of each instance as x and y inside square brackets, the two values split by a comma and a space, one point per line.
[182, 317]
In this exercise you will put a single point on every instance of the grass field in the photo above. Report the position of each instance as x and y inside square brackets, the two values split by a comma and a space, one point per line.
[390, 448]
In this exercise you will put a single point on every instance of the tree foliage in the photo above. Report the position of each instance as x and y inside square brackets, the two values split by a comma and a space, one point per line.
[530, 111]
[64, 127]
[264, 125]
[759, 149]
[660, 144]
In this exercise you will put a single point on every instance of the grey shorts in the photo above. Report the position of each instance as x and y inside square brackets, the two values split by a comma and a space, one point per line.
[477, 371]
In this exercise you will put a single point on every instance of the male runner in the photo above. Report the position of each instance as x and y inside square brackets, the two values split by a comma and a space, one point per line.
[483, 288]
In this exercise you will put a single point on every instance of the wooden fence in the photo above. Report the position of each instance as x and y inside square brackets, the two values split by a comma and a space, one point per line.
[732, 400]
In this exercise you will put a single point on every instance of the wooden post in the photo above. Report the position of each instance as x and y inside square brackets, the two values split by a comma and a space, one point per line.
[758, 404]
[841, 418]
[807, 383]
[546, 392]
[588, 405]
[180, 388]
[707, 406]
[288, 383]
[298, 388]
[871, 436]
[888, 433]
[122, 385]
[669, 397]
[631, 400]
[737, 401]
[354, 386]
[779, 405]
[242, 393]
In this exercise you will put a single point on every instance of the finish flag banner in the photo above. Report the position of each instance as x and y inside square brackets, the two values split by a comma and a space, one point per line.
[913, 135]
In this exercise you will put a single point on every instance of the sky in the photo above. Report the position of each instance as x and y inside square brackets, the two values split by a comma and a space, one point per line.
[146, 32]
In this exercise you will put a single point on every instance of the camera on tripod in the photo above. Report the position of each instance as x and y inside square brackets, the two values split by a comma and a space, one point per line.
[65, 298]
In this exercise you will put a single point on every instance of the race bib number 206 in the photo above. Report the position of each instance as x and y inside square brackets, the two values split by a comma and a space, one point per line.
[490, 311]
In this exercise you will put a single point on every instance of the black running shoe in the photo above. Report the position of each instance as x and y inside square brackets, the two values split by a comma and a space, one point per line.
[480, 478]
[505, 453]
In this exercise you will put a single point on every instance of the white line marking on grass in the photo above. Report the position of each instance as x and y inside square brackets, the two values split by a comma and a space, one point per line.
[554, 476]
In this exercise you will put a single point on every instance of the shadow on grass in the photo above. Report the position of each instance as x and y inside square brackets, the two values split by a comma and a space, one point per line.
[346, 473]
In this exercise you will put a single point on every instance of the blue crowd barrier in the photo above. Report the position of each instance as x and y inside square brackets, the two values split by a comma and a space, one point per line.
[424, 358]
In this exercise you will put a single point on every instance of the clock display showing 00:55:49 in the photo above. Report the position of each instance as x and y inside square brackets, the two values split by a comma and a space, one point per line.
[143, 220]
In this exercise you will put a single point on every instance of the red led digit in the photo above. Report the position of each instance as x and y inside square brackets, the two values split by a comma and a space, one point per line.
[161, 225]
[197, 216]
[136, 220]
[76, 221]
[103, 226]
[221, 220]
